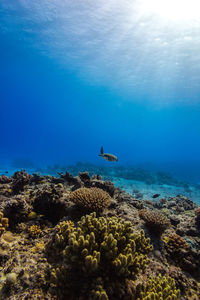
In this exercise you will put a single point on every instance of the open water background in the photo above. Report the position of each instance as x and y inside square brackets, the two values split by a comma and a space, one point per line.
[76, 75]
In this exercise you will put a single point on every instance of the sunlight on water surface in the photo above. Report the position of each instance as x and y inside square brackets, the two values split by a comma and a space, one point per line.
[143, 50]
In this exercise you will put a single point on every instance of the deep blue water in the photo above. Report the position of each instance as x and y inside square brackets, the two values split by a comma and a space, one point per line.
[75, 76]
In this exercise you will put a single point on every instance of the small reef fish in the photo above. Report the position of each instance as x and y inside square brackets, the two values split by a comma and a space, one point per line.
[108, 156]
[155, 195]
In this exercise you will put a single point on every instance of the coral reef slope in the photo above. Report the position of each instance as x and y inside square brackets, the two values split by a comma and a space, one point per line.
[80, 237]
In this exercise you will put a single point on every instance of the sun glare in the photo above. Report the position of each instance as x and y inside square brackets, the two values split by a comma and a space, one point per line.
[175, 10]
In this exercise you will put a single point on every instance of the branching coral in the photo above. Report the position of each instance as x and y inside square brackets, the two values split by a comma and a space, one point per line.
[156, 289]
[154, 220]
[91, 199]
[34, 231]
[3, 223]
[98, 255]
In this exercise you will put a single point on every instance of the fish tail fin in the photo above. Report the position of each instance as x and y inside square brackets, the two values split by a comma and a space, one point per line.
[101, 152]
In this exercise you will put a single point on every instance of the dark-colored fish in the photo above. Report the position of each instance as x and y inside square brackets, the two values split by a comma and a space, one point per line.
[155, 195]
[108, 156]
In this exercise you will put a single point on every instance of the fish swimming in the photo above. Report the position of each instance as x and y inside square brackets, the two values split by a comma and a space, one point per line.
[108, 156]
[155, 195]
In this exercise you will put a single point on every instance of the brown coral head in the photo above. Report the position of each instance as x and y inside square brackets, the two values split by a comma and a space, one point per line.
[181, 254]
[154, 220]
[175, 242]
[91, 199]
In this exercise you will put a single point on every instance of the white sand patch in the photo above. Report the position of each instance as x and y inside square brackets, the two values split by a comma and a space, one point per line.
[148, 190]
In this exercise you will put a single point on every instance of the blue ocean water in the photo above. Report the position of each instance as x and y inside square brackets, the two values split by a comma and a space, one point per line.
[78, 75]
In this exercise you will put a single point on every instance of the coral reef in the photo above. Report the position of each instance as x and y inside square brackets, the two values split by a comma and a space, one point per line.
[16, 209]
[180, 253]
[67, 177]
[107, 186]
[36, 294]
[157, 288]
[90, 199]
[50, 253]
[19, 180]
[130, 173]
[197, 219]
[3, 223]
[34, 231]
[99, 249]
[154, 220]
[5, 179]
[122, 196]
[47, 201]
[5, 190]
[85, 178]
[178, 204]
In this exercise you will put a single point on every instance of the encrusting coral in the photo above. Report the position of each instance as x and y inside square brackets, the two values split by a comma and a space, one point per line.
[156, 289]
[154, 220]
[97, 256]
[90, 199]
[3, 223]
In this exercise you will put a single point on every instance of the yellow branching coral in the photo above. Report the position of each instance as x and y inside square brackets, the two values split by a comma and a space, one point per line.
[154, 220]
[156, 289]
[34, 231]
[91, 199]
[3, 223]
[99, 249]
